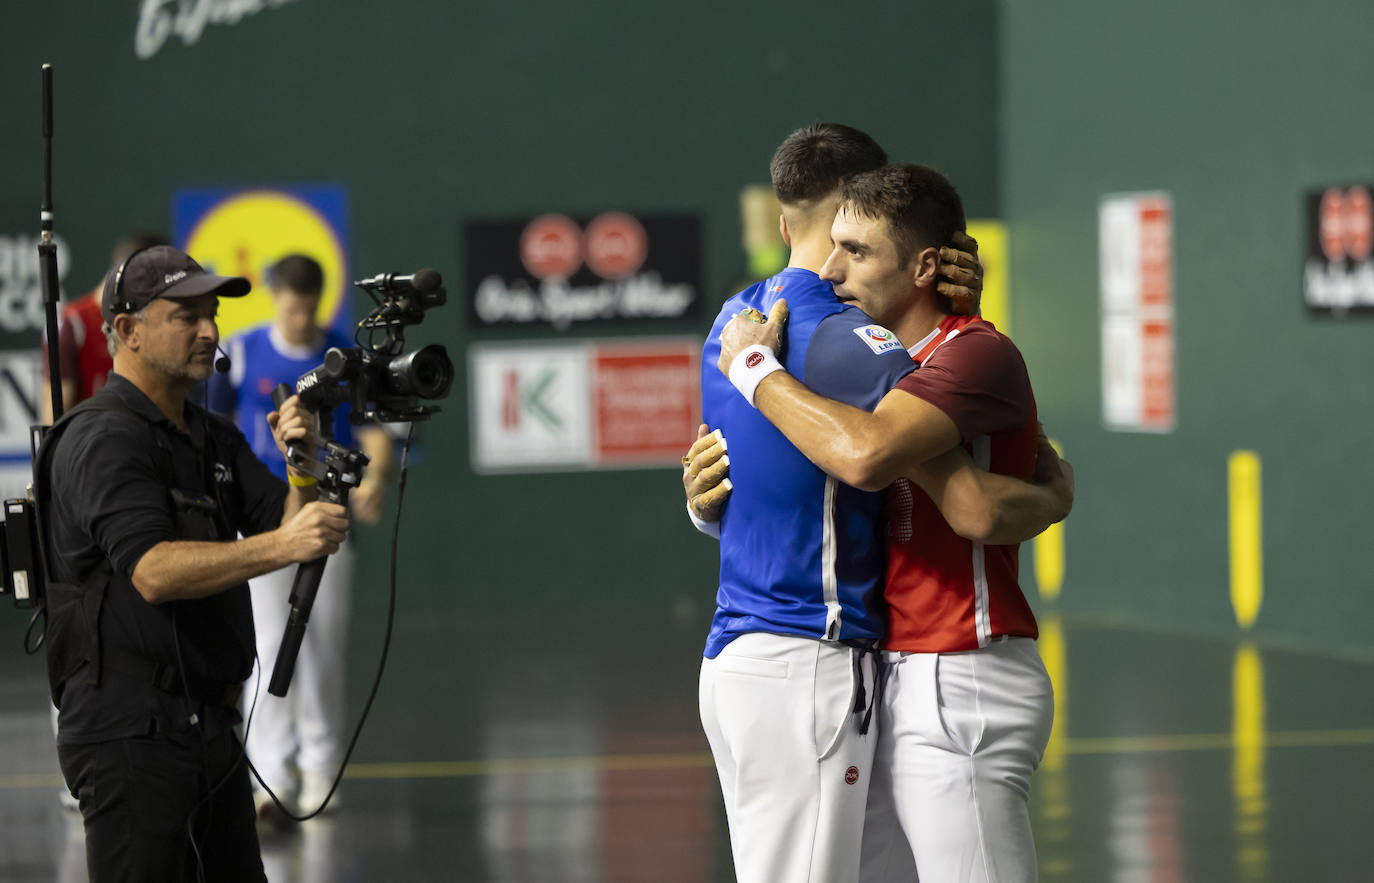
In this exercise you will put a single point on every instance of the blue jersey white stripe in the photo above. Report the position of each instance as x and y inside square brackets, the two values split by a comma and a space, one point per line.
[800, 552]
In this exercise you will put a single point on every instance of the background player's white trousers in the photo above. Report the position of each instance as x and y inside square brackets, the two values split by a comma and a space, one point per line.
[302, 729]
[960, 736]
[778, 712]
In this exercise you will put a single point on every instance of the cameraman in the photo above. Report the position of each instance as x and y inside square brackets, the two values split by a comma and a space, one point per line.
[150, 631]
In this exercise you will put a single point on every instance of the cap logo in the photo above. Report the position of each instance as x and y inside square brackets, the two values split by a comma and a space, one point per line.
[173, 277]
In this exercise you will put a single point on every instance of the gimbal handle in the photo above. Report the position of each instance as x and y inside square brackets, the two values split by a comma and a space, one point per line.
[306, 584]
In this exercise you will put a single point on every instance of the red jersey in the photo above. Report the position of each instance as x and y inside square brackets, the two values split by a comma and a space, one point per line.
[946, 593]
[82, 351]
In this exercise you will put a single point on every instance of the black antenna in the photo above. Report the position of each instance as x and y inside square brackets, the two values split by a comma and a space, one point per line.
[47, 253]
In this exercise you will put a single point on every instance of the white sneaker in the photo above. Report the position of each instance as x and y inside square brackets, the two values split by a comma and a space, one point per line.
[267, 810]
[314, 789]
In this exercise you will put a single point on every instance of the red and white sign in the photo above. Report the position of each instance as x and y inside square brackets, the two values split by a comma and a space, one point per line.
[1346, 224]
[551, 247]
[616, 245]
[1338, 275]
[584, 405]
[1136, 267]
[645, 401]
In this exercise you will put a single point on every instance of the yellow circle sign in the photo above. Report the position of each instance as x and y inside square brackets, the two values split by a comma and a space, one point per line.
[246, 233]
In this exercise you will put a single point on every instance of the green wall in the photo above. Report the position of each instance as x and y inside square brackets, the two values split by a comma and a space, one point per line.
[431, 113]
[1238, 111]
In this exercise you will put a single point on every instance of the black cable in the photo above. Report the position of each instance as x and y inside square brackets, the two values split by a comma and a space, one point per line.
[381, 664]
[31, 647]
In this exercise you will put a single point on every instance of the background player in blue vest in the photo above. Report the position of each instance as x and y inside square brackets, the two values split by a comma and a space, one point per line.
[296, 741]
[786, 678]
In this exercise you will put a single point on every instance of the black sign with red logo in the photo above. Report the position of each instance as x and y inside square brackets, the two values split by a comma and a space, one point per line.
[1338, 276]
[560, 271]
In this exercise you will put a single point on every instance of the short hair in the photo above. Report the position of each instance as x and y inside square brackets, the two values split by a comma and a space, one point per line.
[815, 159]
[921, 206]
[299, 273]
[108, 329]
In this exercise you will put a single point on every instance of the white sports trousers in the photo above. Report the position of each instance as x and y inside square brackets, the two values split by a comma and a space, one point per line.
[960, 735]
[778, 712]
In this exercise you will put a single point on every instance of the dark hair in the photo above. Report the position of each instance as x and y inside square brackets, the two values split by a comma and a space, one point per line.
[920, 205]
[813, 160]
[299, 273]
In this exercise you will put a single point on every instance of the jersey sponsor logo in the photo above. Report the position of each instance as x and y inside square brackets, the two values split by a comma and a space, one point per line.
[851, 775]
[753, 360]
[878, 339]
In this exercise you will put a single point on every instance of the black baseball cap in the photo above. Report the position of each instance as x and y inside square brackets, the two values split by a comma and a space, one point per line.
[162, 271]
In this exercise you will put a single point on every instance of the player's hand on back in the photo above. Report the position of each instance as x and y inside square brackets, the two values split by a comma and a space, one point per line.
[961, 274]
[751, 328]
[705, 471]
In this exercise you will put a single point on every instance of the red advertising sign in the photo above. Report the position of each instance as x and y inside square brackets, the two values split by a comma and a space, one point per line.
[1338, 275]
[645, 401]
[1139, 383]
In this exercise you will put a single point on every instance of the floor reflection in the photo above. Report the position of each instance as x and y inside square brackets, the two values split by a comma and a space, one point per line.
[1172, 759]
[1247, 766]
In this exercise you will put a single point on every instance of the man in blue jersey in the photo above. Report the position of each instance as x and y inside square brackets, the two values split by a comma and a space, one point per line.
[787, 680]
[295, 741]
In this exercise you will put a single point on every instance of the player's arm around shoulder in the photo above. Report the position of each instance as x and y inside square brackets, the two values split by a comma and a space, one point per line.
[865, 449]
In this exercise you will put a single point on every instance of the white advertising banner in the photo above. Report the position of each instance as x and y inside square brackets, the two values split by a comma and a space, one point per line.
[583, 405]
[1136, 275]
[21, 384]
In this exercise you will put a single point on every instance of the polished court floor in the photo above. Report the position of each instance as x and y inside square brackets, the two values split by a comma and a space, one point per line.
[1174, 759]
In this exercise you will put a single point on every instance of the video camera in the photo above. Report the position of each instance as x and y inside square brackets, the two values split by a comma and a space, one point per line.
[382, 382]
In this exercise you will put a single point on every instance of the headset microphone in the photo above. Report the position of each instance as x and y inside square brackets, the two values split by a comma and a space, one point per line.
[222, 364]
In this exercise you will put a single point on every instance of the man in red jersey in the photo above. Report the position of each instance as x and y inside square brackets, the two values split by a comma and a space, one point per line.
[968, 705]
[83, 353]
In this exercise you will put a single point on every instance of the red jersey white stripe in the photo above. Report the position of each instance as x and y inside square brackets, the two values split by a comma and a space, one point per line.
[946, 593]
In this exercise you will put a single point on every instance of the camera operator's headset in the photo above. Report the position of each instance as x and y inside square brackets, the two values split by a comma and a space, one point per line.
[117, 282]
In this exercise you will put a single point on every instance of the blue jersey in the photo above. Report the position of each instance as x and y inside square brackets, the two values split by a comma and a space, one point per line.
[800, 553]
[261, 360]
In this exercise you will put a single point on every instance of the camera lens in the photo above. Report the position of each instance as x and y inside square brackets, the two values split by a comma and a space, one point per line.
[425, 373]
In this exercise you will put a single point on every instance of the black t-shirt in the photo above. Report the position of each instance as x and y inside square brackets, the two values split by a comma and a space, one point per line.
[111, 502]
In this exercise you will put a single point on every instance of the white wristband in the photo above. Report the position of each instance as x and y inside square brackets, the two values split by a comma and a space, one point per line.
[710, 528]
[750, 367]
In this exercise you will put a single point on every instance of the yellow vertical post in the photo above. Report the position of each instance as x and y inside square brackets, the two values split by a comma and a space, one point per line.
[1049, 555]
[993, 253]
[1246, 529]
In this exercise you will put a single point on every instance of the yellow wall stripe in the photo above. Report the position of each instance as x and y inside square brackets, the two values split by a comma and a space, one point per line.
[1247, 552]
